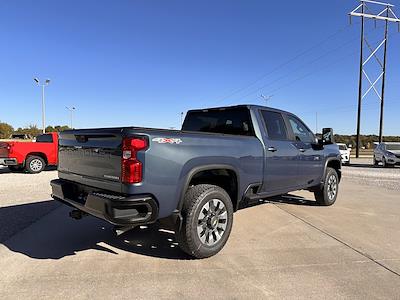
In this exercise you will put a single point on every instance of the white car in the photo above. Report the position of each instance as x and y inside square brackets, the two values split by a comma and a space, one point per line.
[345, 153]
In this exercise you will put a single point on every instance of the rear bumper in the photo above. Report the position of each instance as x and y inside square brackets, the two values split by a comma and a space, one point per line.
[117, 209]
[8, 161]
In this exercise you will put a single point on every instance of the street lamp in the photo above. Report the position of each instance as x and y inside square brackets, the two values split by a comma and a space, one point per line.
[71, 110]
[46, 83]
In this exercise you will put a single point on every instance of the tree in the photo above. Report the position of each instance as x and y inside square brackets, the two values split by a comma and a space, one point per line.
[60, 128]
[6, 130]
[31, 130]
[50, 129]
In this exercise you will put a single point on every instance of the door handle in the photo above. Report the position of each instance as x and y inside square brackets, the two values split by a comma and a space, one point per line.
[302, 150]
[272, 149]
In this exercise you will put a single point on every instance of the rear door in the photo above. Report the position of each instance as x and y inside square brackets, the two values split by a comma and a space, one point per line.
[281, 166]
[309, 159]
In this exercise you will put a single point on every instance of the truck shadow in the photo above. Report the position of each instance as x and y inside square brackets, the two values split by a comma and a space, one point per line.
[43, 230]
[5, 170]
[52, 234]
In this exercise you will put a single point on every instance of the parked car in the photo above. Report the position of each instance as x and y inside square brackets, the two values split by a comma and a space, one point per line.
[222, 159]
[345, 153]
[32, 156]
[388, 154]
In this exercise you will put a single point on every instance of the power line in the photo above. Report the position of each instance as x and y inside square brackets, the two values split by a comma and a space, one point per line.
[287, 62]
[301, 67]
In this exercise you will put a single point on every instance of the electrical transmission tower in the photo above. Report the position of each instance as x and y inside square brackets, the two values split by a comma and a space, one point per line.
[377, 11]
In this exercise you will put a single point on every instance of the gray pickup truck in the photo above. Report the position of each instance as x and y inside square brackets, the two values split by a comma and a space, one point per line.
[195, 178]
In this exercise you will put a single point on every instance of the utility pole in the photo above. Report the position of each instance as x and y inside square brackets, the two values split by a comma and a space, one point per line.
[46, 83]
[376, 11]
[266, 98]
[71, 110]
[181, 119]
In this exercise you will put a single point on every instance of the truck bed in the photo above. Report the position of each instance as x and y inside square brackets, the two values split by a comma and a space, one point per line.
[92, 157]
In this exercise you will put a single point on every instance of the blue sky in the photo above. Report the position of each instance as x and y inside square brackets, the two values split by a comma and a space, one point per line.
[141, 63]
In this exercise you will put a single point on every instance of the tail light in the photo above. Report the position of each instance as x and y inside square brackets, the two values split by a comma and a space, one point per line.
[131, 167]
[9, 148]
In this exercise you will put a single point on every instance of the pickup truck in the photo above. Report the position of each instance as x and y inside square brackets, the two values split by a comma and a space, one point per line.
[32, 156]
[197, 177]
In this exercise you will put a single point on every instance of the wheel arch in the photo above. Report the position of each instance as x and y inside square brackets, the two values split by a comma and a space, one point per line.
[40, 154]
[222, 175]
[335, 164]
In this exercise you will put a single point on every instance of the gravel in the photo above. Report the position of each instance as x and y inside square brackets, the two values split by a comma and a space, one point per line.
[363, 172]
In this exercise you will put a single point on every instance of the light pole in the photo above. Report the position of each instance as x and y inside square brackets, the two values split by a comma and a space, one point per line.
[71, 110]
[43, 85]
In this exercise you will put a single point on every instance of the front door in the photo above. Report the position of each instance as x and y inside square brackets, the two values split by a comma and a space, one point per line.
[310, 160]
[281, 166]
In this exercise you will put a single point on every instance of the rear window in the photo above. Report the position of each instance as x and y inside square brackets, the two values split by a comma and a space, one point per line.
[275, 124]
[44, 138]
[235, 121]
[342, 147]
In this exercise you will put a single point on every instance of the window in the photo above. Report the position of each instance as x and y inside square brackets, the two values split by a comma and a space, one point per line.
[300, 131]
[342, 147]
[227, 121]
[395, 147]
[44, 138]
[276, 127]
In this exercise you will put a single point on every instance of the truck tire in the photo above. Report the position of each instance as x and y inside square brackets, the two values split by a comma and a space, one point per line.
[207, 220]
[34, 164]
[327, 195]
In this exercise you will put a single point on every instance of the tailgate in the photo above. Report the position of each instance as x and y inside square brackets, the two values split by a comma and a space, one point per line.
[4, 149]
[91, 153]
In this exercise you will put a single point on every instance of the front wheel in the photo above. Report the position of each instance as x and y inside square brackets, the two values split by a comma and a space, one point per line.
[207, 220]
[327, 195]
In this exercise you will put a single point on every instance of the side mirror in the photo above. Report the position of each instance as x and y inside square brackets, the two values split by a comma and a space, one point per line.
[327, 136]
[318, 145]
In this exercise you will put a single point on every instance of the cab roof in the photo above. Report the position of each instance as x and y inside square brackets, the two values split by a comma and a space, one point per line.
[248, 106]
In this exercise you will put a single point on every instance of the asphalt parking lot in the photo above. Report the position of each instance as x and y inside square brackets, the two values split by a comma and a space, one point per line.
[285, 247]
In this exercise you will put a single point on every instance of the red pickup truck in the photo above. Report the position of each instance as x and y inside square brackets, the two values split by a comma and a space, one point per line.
[32, 156]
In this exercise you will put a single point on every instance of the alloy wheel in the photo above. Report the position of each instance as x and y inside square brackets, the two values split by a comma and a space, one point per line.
[212, 222]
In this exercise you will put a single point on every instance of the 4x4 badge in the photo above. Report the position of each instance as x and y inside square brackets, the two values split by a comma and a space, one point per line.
[167, 140]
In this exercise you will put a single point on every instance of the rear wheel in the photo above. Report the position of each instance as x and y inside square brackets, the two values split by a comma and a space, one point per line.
[207, 220]
[35, 164]
[327, 194]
